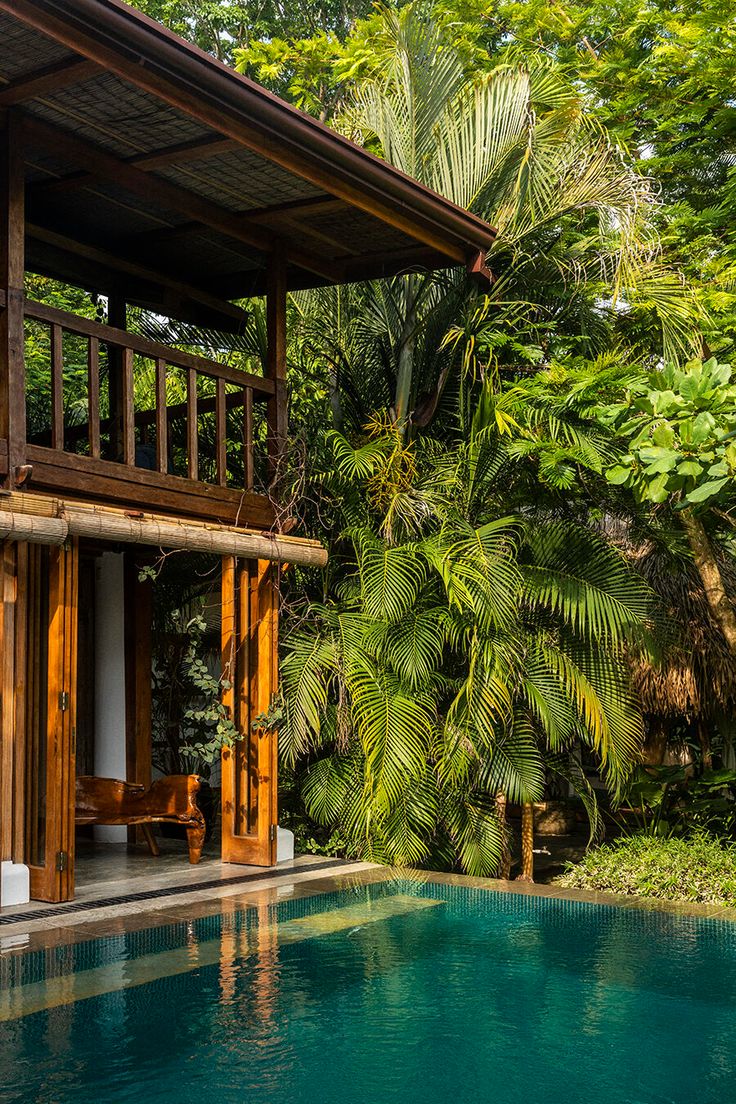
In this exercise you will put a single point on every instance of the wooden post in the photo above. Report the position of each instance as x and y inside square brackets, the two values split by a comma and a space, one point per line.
[12, 263]
[21, 707]
[93, 396]
[117, 317]
[276, 359]
[249, 654]
[162, 426]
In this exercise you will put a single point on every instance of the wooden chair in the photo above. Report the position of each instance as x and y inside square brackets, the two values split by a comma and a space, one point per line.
[172, 799]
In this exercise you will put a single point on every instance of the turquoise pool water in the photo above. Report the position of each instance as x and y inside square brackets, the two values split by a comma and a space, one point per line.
[397, 992]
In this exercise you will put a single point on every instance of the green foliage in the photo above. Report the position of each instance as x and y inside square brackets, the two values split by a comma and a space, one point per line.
[670, 801]
[222, 26]
[659, 76]
[472, 627]
[467, 661]
[680, 427]
[190, 724]
[696, 868]
[206, 727]
[656, 75]
[517, 145]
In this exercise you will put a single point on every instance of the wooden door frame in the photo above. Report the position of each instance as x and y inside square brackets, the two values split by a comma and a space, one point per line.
[54, 880]
[249, 670]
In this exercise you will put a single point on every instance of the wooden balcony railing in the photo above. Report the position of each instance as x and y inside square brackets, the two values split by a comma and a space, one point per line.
[143, 448]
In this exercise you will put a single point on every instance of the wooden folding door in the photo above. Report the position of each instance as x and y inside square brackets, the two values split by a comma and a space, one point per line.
[50, 578]
[249, 658]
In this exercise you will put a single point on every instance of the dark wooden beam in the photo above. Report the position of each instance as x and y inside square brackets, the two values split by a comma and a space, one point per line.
[156, 189]
[52, 78]
[12, 267]
[276, 216]
[201, 149]
[116, 264]
[392, 262]
[292, 226]
[319, 205]
[96, 277]
[105, 481]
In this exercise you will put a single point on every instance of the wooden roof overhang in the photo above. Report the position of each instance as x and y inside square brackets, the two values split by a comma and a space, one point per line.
[156, 173]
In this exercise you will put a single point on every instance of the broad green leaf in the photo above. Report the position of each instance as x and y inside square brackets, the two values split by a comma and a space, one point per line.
[664, 435]
[703, 427]
[657, 489]
[618, 475]
[690, 467]
[707, 490]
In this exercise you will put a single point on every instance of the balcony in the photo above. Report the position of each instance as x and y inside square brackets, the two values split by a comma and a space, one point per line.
[115, 417]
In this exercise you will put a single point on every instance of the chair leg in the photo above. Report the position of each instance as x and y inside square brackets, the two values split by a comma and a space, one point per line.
[150, 840]
[195, 839]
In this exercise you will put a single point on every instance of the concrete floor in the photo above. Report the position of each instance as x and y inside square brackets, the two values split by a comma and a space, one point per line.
[103, 869]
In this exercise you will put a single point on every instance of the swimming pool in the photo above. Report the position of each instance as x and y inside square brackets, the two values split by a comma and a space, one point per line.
[397, 990]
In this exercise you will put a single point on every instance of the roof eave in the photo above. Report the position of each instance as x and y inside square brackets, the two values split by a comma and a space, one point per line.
[144, 53]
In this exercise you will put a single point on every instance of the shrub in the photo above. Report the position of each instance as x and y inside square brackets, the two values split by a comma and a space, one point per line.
[693, 868]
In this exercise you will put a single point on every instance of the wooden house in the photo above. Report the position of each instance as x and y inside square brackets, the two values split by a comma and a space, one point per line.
[136, 167]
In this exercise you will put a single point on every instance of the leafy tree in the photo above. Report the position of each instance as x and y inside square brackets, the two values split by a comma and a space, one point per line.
[680, 430]
[516, 147]
[658, 76]
[222, 26]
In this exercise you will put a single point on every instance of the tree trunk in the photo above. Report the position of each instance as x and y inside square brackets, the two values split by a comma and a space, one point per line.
[504, 869]
[706, 563]
[406, 357]
[655, 742]
[527, 843]
[706, 752]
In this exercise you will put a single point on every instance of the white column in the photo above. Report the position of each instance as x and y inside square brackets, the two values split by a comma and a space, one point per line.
[110, 681]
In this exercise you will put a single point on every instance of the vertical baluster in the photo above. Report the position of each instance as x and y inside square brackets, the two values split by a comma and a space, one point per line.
[192, 449]
[128, 408]
[93, 396]
[248, 438]
[57, 387]
[162, 422]
[221, 432]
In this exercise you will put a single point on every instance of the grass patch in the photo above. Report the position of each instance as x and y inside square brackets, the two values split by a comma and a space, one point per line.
[693, 868]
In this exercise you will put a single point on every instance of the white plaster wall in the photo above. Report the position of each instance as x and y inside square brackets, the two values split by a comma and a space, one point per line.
[110, 681]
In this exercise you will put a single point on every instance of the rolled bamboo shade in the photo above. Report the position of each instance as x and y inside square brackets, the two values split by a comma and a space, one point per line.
[74, 520]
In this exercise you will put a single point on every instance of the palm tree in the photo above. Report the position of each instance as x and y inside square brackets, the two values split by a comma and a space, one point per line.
[464, 654]
[575, 241]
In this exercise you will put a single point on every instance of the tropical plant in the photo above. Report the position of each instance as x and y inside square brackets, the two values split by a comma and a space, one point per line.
[696, 868]
[464, 655]
[672, 800]
[190, 724]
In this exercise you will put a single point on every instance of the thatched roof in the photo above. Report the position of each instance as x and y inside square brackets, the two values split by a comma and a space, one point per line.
[697, 675]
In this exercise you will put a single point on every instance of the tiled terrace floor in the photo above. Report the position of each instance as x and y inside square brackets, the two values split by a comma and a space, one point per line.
[107, 875]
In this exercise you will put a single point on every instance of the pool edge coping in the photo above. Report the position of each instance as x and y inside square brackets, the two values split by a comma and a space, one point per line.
[695, 909]
[94, 923]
